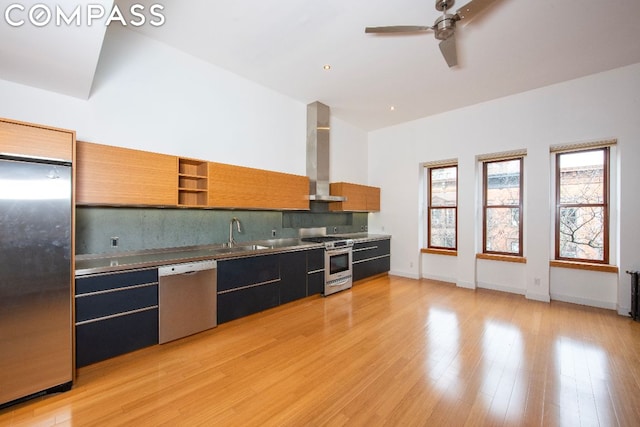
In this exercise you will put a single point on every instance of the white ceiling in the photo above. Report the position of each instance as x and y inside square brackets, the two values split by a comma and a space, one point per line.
[62, 58]
[516, 46]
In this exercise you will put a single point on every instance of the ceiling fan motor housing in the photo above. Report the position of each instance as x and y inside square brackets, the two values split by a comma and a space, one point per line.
[444, 26]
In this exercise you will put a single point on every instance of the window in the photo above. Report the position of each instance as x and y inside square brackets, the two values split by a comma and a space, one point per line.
[502, 207]
[442, 207]
[582, 210]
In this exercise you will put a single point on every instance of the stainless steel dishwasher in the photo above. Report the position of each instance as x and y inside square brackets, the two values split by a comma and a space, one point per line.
[187, 299]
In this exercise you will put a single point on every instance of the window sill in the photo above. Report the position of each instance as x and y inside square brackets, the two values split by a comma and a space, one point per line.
[585, 266]
[505, 258]
[450, 252]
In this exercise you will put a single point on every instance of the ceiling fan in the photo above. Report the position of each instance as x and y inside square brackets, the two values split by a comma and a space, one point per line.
[443, 28]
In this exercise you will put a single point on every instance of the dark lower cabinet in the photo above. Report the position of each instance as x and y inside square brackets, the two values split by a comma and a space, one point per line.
[315, 271]
[365, 269]
[252, 284]
[95, 306]
[243, 302]
[247, 285]
[104, 339]
[315, 282]
[248, 271]
[293, 276]
[116, 313]
[371, 258]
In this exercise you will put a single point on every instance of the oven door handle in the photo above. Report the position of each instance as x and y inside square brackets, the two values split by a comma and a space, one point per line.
[332, 252]
[339, 282]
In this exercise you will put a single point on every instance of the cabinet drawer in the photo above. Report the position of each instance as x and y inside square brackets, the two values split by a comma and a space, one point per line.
[103, 282]
[315, 260]
[243, 302]
[94, 306]
[370, 268]
[101, 340]
[369, 250]
[315, 283]
[241, 272]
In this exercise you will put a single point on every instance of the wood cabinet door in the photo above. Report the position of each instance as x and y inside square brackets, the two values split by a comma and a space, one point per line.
[355, 194]
[373, 199]
[241, 187]
[24, 139]
[107, 175]
[360, 198]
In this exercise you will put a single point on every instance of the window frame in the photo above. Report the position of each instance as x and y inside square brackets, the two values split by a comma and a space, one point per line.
[430, 208]
[606, 205]
[520, 206]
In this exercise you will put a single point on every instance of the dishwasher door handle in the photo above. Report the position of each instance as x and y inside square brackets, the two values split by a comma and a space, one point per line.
[186, 268]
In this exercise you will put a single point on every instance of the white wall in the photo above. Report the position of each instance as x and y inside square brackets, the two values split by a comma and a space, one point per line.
[591, 108]
[149, 96]
[348, 157]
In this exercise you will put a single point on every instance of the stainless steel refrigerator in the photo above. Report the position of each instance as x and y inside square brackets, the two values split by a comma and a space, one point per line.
[35, 277]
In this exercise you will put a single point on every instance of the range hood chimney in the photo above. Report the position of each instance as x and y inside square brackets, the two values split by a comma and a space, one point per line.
[318, 143]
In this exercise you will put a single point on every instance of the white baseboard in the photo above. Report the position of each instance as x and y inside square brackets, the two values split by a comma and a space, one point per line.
[404, 274]
[440, 278]
[584, 301]
[466, 285]
[624, 311]
[501, 288]
[538, 297]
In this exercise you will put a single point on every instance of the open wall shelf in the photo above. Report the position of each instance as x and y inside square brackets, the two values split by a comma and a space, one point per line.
[193, 182]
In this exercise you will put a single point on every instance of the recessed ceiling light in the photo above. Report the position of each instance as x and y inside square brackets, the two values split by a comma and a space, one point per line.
[392, 108]
[326, 67]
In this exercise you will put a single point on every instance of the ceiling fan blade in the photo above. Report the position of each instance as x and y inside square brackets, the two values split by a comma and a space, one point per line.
[396, 29]
[449, 51]
[472, 9]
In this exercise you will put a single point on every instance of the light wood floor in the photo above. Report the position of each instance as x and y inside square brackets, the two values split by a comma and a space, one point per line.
[392, 351]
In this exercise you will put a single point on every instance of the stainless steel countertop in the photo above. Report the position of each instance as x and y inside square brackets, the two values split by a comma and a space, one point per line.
[104, 263]
[364, 237]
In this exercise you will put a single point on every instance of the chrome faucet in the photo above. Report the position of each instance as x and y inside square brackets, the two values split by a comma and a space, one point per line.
[231, 239]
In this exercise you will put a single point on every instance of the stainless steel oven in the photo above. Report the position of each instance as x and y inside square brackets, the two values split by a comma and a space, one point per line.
[338, 262]
[338, 268]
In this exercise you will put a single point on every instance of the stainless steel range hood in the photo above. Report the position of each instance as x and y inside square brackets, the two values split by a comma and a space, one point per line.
[318, 143]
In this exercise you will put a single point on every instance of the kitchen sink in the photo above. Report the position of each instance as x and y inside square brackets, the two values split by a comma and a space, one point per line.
[239, 248]
[250, 247]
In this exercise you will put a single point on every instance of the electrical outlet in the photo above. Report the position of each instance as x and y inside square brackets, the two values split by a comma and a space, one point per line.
[114, 242]
[335, 229]
[536, 281]
[273, 233]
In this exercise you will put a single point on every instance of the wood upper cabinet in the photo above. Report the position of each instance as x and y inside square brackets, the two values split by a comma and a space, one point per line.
[360, 198]
[25, 139]
[241, 187]
[107, 175]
